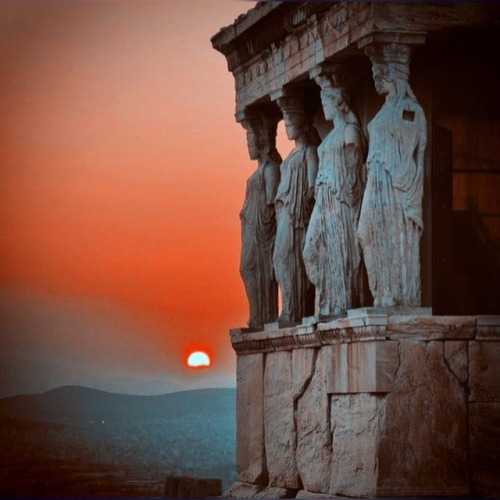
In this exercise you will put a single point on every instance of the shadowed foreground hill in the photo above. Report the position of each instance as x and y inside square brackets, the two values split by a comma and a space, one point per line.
[75, 441]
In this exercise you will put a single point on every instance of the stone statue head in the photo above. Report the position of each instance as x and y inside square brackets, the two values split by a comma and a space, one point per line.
[390, 66]
[334, 95]
[254, 137]
[294, 115]
[295, 124]
[334, 99]
[297, 120]
[382, 78]
[261, 134]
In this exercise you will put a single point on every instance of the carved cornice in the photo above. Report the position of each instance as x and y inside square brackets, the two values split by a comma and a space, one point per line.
[409, 38]
[268, 23]
[278, 43]
[316, 335]
[362, 326]
[488, 328]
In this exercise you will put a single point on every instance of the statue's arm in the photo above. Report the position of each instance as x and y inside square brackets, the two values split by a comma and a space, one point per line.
[271, 180]
[312, 162]
[353, 145]
[353, 154]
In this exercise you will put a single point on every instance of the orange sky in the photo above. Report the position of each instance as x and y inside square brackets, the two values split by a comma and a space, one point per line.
[122, 176]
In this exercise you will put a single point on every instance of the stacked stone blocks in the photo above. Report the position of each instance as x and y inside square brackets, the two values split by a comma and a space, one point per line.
[380, 403]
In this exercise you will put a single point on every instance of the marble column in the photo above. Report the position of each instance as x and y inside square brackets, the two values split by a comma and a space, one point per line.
[258, 219]
[294, 204]
[391, 224]
[331, 254]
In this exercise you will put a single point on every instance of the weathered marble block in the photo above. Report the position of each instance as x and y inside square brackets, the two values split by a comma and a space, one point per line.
[243, 490]
[361, 367]
[312, 408]
[279, 421]
[423, 447]
[455, 355]
[484, 439]
[251, 457]
[336, 409]
[357, 421]
[484, 371]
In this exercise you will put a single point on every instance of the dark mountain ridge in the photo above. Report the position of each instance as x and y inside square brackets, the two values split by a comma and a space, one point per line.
[77, 402]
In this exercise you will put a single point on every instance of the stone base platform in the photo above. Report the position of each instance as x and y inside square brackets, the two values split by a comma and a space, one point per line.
[380, 403]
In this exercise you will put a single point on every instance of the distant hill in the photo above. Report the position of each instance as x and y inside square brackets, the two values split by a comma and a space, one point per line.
[108, 440]
[92, 404]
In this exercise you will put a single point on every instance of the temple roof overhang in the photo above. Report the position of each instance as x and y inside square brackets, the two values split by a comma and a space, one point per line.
[279, 43]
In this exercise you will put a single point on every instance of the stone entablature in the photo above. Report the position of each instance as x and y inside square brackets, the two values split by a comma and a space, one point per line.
[366, 324]
[278, 43]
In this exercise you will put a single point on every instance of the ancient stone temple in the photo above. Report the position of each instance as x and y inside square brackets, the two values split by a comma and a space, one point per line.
[378, 375]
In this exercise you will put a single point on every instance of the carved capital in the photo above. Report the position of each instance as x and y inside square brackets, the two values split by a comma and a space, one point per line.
[261, 127]
[294, 100]
[249, 118]
[291, 100]
[267, 117]
[409, 38]
[329, 74]
[392, 49]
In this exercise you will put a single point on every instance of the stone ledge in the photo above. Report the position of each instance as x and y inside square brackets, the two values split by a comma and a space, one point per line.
[432, 327]
[366, 324]
[488, 327]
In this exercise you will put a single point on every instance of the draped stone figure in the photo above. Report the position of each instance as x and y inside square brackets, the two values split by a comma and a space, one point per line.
[294, 202]
[258, 221]
[332, 255]
[391, 222]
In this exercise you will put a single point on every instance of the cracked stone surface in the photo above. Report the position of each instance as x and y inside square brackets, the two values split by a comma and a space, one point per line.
[279, 421]
[243, 490]
[274, 492]
[251, 458]
[423, 434]
[423, 449]
[456, 357]
[356, 421]
[314, 444]
[484, 442]
[484, 371]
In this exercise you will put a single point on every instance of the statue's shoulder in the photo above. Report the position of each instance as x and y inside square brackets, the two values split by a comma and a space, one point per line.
[352, 133]
[409, 113]
[311, 152]
[271, 169]
[410, 104]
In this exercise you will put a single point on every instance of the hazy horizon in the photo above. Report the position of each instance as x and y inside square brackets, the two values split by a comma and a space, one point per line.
[114, 393]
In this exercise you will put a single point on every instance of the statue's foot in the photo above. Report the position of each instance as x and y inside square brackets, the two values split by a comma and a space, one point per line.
[254, 324]
[326, 317]
[285, 318]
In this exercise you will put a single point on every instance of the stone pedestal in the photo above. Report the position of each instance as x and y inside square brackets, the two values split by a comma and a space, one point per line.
[383, 402]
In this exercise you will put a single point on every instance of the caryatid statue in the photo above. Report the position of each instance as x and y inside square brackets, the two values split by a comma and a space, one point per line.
[331, 254]
[391, 222]
[258, 220]
[294, 203]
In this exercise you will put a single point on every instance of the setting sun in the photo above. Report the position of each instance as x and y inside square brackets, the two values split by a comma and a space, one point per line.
[198, 359]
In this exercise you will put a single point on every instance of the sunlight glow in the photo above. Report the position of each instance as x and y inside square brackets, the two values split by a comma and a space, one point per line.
[198, 359]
